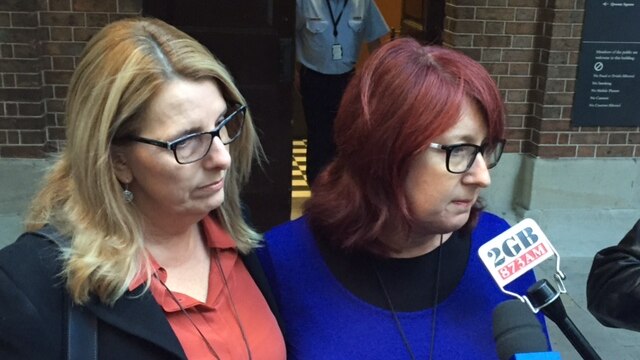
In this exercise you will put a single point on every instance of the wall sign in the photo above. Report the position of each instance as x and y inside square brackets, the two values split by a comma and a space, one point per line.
[608, 82]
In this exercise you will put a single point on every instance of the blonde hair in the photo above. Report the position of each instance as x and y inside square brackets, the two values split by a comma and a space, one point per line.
[121, 69]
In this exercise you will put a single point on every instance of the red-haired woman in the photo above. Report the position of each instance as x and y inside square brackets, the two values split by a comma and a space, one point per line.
[384, 263]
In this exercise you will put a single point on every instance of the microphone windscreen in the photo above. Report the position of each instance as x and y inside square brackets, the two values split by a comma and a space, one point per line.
[516, 330]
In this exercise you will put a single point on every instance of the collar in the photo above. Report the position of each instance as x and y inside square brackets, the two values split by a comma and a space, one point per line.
[215, 235]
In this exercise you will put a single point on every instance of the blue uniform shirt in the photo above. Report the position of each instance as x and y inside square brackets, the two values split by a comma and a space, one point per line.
[361, 22]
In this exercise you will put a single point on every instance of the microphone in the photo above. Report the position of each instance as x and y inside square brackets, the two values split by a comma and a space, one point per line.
[518, 333]
[518, 250]
[544, 296]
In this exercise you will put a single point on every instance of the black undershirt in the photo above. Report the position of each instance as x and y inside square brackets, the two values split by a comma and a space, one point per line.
[410, 282]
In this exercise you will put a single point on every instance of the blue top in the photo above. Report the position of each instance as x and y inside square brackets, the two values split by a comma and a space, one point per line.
[361, 22]
[323, 320]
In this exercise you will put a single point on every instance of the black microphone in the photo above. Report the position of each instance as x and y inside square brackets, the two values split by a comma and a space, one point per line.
[545, 297]
[518, 250]
[518, 333]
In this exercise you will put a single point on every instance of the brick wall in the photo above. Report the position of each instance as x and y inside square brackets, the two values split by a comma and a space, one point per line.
[40, 41]
[531, 48]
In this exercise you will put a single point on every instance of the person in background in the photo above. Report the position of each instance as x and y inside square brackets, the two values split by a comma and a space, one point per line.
[384, 264]
[613, 285]
[329, 37]
[146, 197]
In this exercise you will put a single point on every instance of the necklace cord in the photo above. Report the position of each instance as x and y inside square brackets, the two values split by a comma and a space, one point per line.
[395, 315]
[233, 305]
[435, 301]
[233, 308]
[435, 306]
[186, 313]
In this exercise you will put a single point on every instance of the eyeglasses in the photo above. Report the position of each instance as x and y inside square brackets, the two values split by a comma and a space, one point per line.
[460, 157]
[193, 147]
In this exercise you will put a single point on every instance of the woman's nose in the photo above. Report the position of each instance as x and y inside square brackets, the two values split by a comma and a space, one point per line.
[218, 155]
[478, 173]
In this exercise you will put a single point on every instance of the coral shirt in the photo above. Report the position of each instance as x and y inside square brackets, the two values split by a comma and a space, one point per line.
[216, 318]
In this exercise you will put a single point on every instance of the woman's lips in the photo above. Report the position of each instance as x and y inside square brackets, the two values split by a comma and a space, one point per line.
[213, 187]
[463, 202]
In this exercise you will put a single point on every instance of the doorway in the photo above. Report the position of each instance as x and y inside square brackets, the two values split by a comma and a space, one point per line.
[421, 19]
[254, 39]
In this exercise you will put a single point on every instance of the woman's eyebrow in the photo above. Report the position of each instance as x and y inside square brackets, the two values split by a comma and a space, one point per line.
[200, 129]
[193, 130]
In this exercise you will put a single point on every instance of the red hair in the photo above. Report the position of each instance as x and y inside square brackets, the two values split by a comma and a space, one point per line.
[405, 95]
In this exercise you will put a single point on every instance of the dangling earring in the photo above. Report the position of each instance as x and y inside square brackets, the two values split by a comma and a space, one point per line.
[127, 194]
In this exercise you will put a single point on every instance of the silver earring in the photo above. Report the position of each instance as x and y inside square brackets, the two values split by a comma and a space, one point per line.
[127, 194]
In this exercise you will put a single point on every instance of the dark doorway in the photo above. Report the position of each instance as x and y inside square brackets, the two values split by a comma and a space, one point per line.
[423, 20]
[254, 39]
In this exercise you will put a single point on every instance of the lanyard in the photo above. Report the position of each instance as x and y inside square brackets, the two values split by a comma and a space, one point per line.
[333, 19]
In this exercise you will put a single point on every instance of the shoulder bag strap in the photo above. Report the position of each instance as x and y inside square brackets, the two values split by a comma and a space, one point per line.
[82, 332]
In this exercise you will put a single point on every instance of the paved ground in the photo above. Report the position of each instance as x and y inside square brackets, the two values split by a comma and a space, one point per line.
[613, 344]
[19, 179]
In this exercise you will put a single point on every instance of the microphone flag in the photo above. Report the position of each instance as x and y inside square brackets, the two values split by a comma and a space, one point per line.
[516, 251]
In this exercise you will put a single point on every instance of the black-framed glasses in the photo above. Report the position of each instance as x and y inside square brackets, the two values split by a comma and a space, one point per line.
[193, 147]
[460, 157]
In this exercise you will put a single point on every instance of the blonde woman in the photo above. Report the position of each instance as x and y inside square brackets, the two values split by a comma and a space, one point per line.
[146, 199]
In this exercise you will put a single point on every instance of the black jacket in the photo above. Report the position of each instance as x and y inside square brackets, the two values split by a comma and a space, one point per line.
[613, 286]
[33, 310]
